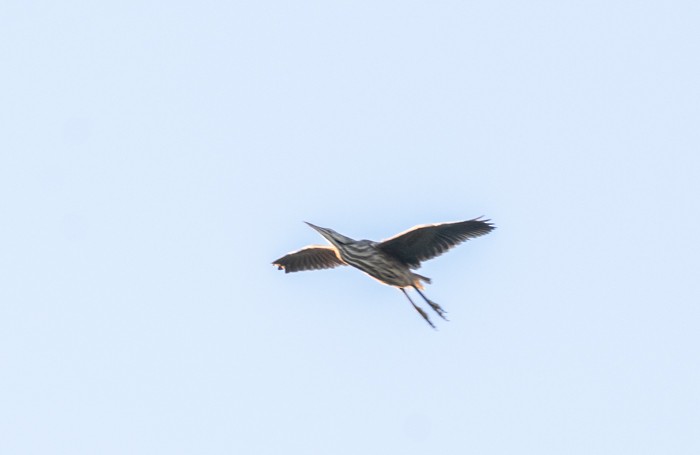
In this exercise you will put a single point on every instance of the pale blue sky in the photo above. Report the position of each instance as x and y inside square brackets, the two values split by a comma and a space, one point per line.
[157, 156]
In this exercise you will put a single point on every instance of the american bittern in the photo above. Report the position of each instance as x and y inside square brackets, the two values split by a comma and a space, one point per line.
[391, 260]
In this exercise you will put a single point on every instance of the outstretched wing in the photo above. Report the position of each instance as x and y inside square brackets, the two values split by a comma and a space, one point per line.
[309, 258]
[430, 240]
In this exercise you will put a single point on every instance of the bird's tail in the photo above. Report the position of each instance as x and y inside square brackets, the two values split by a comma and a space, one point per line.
[417, 280]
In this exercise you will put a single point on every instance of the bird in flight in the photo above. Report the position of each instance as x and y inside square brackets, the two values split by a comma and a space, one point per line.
[389, 261]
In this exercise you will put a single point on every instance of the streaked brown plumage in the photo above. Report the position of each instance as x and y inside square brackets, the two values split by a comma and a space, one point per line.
[391, 260]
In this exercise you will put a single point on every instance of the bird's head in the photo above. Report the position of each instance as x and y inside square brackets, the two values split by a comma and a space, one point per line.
[335, 238]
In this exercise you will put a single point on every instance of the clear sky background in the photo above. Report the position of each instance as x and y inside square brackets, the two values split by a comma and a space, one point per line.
[157, 156]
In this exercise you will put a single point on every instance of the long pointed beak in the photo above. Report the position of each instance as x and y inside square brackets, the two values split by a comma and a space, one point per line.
[320, 230]
[317, 228]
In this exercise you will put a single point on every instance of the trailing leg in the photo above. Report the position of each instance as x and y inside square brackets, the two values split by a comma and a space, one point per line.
[418, 309]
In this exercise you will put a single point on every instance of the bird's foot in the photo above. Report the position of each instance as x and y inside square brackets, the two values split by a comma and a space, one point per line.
[425, 315]
[438, 309]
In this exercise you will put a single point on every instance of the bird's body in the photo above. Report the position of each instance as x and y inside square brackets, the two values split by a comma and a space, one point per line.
[390, 261]
[365, 256]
